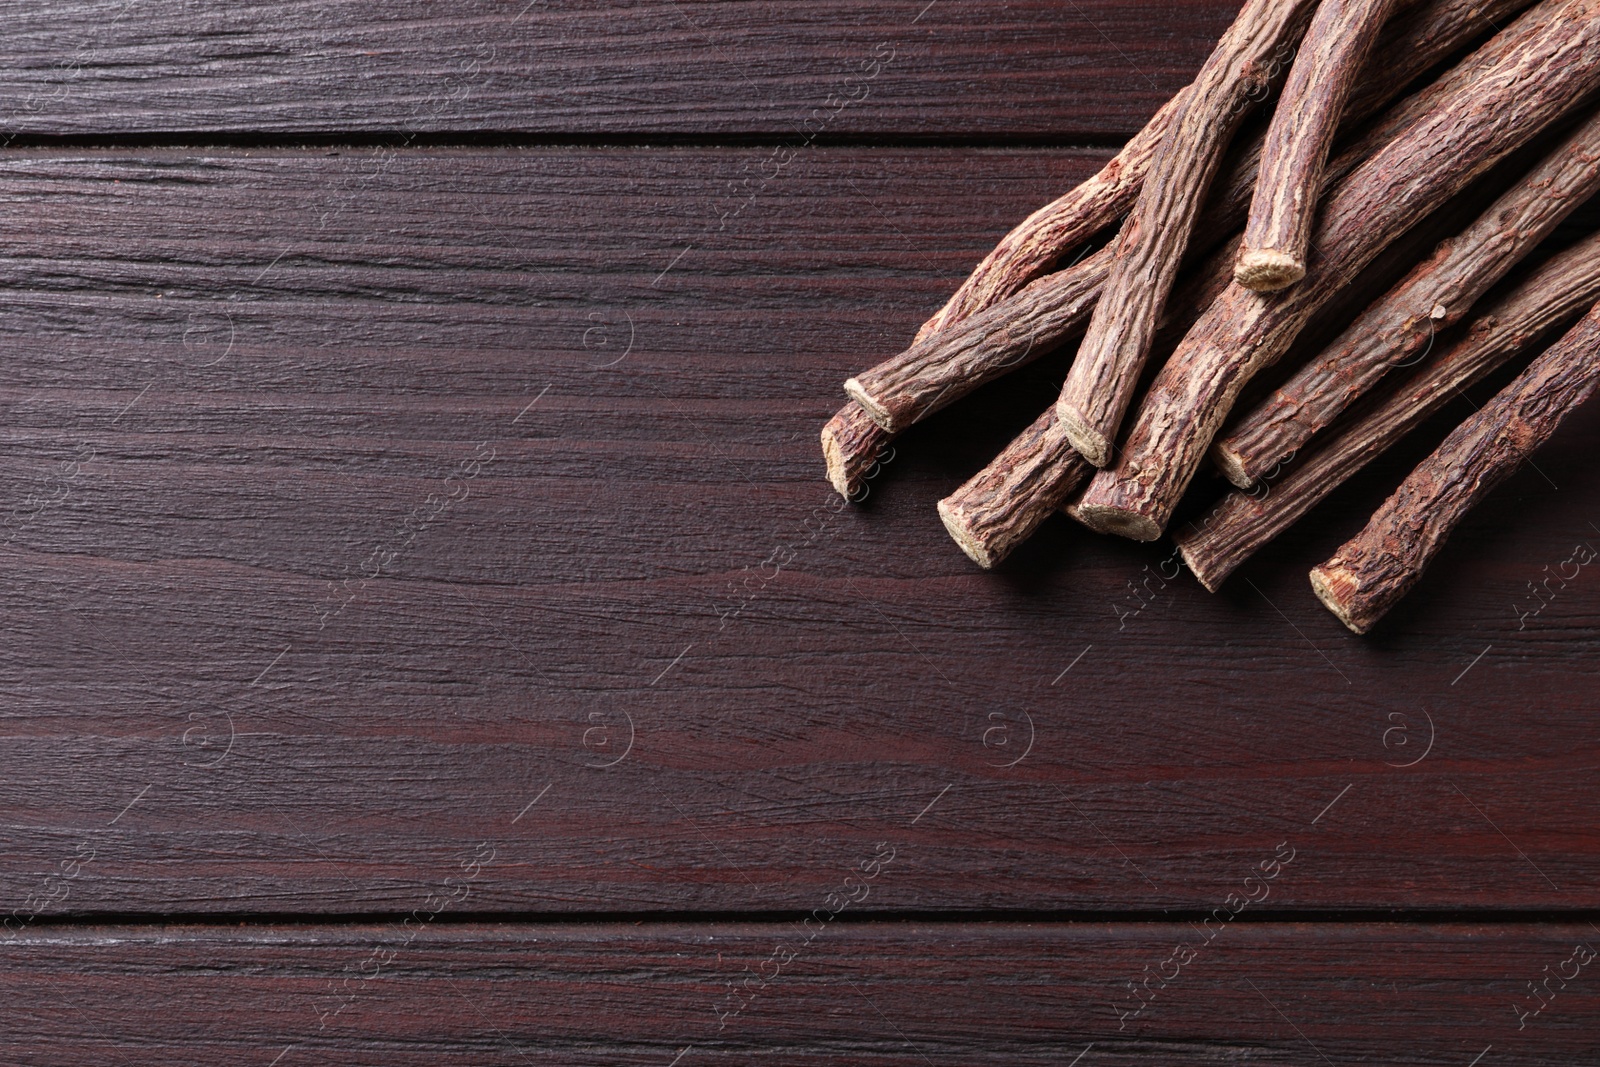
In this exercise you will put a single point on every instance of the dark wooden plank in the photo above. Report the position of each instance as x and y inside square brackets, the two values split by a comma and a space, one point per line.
[363, 508]
[858, 993]
[1090, 69]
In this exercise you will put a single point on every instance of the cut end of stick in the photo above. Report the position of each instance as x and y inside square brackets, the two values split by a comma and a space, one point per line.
[964, 536]
[1232, 466]
[1266, 270]
[838, 466]
[875, 411]
[1208, 575]
[1090, 443]
[1337, 590]
[1119, 521]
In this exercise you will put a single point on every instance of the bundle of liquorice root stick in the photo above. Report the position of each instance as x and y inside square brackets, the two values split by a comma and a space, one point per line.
[1148, 258]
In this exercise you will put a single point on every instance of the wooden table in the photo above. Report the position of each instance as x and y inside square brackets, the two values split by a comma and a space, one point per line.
[429, 638]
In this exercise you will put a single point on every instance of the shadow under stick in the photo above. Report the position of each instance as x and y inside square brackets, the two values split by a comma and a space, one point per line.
[1331, 56]
[1434, 296]
[1562, 287]
[1155, 236]
[1554, 65]
[1376, 568]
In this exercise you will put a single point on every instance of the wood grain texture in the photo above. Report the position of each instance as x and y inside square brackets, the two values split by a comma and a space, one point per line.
[359, 509]
[1090, 69]
[855, 993]
[412, 537]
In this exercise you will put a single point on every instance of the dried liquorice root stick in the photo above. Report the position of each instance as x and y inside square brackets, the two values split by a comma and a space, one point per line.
[999, 507]
[1242, 522]
[947, 365]
[943, 368]
[1411, 44]
[1332, 54]
[851, 445]
[1155, 236]
[1554, 64]
[1374, 569]
[1436, 295]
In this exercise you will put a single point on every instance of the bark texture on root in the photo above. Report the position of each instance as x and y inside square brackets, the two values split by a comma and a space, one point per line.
[1376, 568]
[1040, 470]
[1401, 326]
[1410, 45]
[946, 366]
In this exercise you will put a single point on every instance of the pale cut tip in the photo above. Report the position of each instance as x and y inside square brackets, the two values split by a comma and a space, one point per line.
[1119, 521]
[875, 411]
[1211, 579]
[1266, 270]
[1231, 464]
[1089, 442]
[964, 536]
[1335, 589]
[833, 456]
